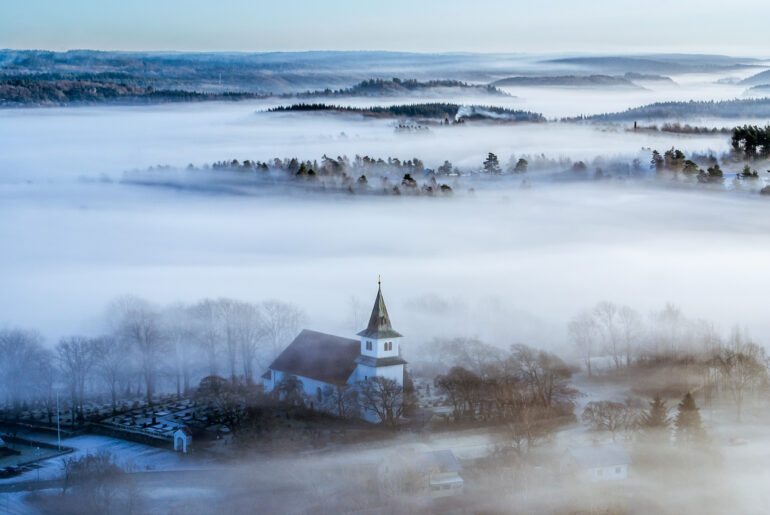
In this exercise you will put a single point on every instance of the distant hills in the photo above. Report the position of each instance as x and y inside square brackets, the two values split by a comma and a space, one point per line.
[761, 89]
[262, 73]
[61, 89]
[739, 108]
[575, 81]
[759, 79]
[406, 87]
[31, 91]
[280, 73]
[665, 64]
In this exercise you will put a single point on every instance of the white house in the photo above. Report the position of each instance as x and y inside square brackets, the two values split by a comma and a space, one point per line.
[321, 360]
[182, 439]
[442, 472]
[434, 474]
[597, 462]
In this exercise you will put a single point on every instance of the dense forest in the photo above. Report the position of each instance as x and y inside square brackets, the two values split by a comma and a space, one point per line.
[752, 141]
[439, 111]
[394, 176]
[52, 90]
[396, 86]
[66, 88]
[750, 108]
[582, 81]
[758, 79]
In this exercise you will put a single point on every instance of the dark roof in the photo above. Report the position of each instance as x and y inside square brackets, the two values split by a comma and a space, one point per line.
[319, 356]
[442, 461]
[379, 321]
[380, 362]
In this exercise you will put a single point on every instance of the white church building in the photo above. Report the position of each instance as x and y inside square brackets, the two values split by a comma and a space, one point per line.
[321, 360]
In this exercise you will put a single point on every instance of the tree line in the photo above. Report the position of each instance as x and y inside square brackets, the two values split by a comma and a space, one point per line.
[752, 141]
[396, 86]
[446, 112]
[734, 368]
[145, 350]
[653, 424]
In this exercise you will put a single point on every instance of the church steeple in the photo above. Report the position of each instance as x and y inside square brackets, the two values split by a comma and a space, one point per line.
[379, 321]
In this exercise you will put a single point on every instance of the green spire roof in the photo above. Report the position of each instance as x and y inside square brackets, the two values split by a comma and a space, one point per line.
[379, 322]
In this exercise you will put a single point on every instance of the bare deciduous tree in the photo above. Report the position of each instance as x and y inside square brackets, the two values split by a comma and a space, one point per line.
[138, 324]
[179, 329]
[250, 333]
[532, 425]
[20, 350]
[208, 331]
[44, 372]
[282, 321]
[77, 356]
[242, 328]
[111, 365]
[383, 397]
[545, 374]
[342, 400]
[610, 416]
[357, 313]
[742, 368]
[584, 331]
[462, 387]
[631, 331]
[607, 319]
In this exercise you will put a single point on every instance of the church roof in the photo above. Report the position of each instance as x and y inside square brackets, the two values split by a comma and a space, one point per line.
[320, 356]
[443, 461]
[380, 362]
[379, 321]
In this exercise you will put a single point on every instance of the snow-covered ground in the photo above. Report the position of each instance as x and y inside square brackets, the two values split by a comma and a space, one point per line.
[15, 504]
[136, 456]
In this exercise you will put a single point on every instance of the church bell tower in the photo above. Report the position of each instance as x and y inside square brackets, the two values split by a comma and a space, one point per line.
[380, 352]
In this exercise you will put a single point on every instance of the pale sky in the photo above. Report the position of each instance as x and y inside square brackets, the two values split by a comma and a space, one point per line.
[535, 26]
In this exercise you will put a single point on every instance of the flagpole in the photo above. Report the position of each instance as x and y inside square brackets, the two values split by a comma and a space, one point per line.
[58, 420]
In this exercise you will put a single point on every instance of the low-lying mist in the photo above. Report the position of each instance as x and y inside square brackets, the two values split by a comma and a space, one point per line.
[91, 141]
[545, 302]
[505, 264]
[508, 265]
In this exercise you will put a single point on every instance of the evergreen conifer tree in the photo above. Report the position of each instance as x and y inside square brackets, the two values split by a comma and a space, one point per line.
[689, 427]
[656, 421]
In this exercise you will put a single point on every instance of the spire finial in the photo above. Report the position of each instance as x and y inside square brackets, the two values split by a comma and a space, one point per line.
[379, 280]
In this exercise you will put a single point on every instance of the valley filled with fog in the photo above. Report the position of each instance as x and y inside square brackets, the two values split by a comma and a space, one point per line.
[503, 240]
[77, 235]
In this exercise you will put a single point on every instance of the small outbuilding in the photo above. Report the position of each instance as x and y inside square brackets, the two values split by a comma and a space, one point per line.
[442, 471]
[182, 439]
[608, 462]
[411, 470]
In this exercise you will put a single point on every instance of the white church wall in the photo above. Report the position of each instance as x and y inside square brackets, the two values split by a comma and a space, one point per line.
[311, 387]
[394, 372]
[272, 383]
[379, 346]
